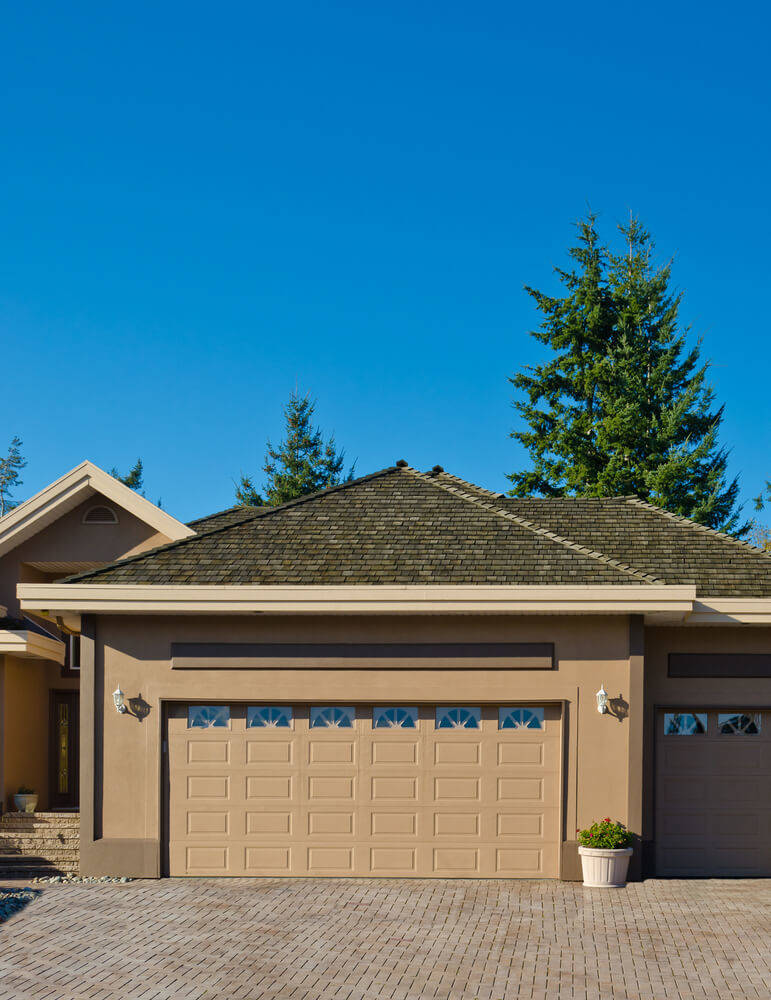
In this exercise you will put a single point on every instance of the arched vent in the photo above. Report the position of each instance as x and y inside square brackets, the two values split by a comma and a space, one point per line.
[100, 515]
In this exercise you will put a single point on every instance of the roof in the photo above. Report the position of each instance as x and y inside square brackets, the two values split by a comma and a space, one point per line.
[233, 515]
[401, 526]
[68, 492]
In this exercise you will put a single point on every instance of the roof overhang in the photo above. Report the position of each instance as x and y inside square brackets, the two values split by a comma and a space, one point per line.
[665, 604]
[72, 489]
[31, 645]
[731, 611]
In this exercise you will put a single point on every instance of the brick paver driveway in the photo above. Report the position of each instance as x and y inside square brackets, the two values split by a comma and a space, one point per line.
[395, 939]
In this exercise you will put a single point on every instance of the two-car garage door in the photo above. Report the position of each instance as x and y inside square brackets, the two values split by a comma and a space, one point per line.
[380, 790]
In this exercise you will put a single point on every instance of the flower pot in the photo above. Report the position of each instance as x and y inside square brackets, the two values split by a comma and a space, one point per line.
[605, 868]
[25, 803]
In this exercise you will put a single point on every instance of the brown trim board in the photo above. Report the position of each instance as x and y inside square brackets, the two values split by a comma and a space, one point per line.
[357, 655]
[719, 665]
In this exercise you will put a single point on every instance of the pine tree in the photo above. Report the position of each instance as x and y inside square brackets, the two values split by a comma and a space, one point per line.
[302, 464]
[561, 404]
[645, 422]
[134, 478]
[10, 467]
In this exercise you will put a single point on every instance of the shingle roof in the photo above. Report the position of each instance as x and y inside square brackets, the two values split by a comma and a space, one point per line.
[233, 515]
[403, 526]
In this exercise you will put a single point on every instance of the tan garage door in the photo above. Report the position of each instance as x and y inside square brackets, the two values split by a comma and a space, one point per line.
[391, 790]
[713, 792]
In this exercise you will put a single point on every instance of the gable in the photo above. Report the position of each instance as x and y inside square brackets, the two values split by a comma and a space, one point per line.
[70, 491]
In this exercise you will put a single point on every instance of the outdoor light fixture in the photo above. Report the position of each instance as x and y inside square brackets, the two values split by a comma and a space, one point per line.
[117, 697]
[602, 700]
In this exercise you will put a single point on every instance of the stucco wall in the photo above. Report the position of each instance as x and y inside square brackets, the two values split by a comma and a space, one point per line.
[122, 754]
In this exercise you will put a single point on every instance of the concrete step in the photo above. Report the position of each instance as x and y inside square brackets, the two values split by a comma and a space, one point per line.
[57, 856]
[30, 866]
[63, 818]
[60, 834]
[13, 846]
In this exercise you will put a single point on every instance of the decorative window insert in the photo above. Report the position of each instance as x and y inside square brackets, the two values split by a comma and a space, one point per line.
[685, 723]
[458, 717]
[332, 716]
[394, 717]
[269, 717]
[100, 514]
[521, 718]
[208, 716]
[741, 723]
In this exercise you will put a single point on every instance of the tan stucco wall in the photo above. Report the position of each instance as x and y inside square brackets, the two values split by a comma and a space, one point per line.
[683, 692]
[134, 653]
[67, 540]
[26, 691]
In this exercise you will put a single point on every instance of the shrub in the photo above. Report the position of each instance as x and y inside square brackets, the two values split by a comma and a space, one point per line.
[605, 834]
[23, 790]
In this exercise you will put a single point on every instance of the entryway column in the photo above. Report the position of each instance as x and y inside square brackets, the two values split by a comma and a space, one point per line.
[636, 723]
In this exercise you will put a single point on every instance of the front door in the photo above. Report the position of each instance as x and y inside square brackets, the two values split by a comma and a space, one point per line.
[64, 750]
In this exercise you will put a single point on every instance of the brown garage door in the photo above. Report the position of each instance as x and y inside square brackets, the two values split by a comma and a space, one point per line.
[392, 790]
[713, 792]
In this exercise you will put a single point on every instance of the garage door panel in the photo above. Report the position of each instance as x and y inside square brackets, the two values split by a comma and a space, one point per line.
[713, 798]
[274, 795]
[263, 823]
[454, 752]
[269, 752]
[393, 824]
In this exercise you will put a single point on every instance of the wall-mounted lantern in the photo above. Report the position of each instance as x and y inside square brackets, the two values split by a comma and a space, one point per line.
[602, 700]
[117, 697]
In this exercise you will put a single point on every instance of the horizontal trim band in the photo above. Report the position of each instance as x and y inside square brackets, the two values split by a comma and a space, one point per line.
[353, 655]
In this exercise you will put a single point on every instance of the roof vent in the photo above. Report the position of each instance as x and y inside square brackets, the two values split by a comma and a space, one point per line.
[401, 464]
[100, 515]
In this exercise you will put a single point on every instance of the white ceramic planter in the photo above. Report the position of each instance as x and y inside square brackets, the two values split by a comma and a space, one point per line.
[605, 868]
[25, 803]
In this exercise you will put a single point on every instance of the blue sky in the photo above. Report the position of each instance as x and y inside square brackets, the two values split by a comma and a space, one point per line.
[203, 206]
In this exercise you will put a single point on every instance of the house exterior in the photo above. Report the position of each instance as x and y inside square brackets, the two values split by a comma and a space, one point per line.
[395, 677]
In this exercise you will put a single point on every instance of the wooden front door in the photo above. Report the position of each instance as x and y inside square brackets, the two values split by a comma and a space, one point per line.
[64, 750]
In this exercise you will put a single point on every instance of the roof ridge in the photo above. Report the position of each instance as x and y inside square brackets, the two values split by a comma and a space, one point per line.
[481, 489]
[540, 530]
[259, 513]
[689, 522]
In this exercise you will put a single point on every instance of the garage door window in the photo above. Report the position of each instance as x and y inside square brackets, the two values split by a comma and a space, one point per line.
[458, 717]
[738, 723]
[685, 723]
[332, 716]
[269, 717]
[520, 718]
[208, 716]
[395, 717]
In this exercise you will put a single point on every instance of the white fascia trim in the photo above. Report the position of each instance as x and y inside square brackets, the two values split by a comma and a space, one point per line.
[72, 489]
[57, 598]
[731, 611]
[31, 645]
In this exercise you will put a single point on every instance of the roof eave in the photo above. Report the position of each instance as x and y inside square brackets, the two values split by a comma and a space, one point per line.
[70, 490]
[670, 603]
[31, 645]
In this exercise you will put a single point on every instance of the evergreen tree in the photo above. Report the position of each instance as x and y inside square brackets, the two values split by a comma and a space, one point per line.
[10, 467]
[134, 478]
[302, 464]
[561, 404]
[625, 406]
